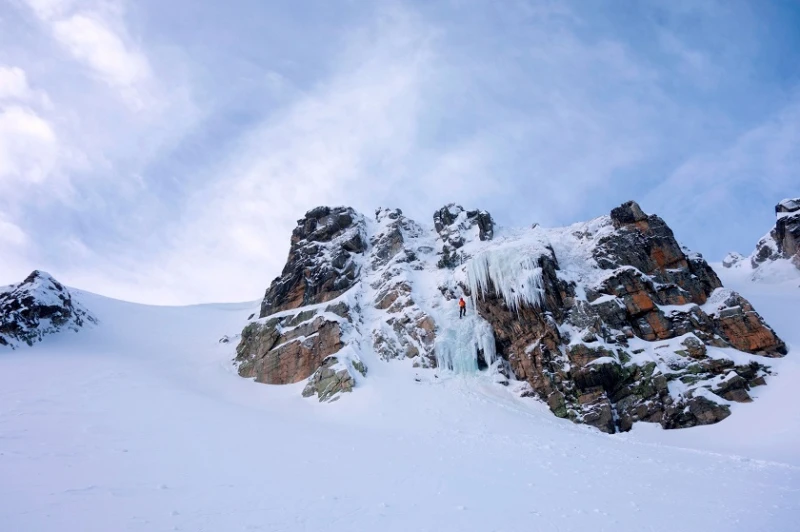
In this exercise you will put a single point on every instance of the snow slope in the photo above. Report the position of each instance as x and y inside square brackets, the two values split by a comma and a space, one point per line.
[143, 425]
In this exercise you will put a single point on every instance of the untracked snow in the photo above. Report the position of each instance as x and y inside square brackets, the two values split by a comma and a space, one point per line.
[142, 424]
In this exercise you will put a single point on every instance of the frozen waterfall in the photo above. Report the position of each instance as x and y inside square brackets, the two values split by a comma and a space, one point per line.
[457, 346]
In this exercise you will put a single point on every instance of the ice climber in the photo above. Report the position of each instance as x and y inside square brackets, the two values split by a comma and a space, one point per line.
[462, 308]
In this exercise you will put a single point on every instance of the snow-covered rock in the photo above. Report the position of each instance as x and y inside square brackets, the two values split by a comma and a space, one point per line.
[37, 307]
[776, 257]
[334, 376]
[732, 259]
[457, 226]
[788, 205]
[609, 322]
[323, 260]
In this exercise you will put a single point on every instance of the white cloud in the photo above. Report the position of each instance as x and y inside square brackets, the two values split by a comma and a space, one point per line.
[47, 9]
[15, 246]
[92, 41]
[28, 147]
[13, 83]
[11, 235]
[14, 87]
[99, 41]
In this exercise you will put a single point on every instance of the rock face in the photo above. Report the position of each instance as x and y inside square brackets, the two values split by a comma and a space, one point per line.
[782, 242]
[787, 229]
[323, 260]
[453, 224]
[289, 348]
[630, 344]
[300, 326]
[609, 322]
[37, 307]
[317, 308]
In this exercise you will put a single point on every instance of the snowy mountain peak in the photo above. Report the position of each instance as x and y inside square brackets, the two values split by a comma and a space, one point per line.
[609, 322]
[38, 306]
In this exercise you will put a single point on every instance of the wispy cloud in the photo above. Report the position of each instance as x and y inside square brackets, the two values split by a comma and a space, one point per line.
[90, 40]
[98, 39]
[28, 146]
[335, 143]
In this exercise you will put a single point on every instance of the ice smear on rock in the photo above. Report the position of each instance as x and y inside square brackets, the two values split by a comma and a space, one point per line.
[513, 272]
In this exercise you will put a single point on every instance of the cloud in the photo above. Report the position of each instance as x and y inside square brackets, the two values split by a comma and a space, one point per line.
[90, 40]
[28, 148]
[48, 9]
[191, 136]
[15, 249]
[11, 234]
[13, 83]
[409, 119]
[336, 143]
[100, 42]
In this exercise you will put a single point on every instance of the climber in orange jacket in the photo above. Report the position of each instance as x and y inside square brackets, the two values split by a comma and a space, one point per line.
[462, 308]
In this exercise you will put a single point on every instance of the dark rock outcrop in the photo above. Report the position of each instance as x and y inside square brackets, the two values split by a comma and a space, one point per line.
[454, 224]
[783, 241]
[787, 229]
[37, 307]
[322, 261]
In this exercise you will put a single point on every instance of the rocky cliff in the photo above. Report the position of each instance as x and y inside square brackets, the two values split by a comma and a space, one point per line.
[622, 334]
[37, 307]
[609, 322]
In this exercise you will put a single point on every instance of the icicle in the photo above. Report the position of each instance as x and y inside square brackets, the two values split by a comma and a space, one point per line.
[514, 274]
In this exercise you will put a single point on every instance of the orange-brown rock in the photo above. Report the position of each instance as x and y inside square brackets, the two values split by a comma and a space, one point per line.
[279, 351]
[556, 346]
[744, 329]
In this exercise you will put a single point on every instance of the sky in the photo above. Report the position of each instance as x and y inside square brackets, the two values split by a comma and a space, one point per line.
[162, 152]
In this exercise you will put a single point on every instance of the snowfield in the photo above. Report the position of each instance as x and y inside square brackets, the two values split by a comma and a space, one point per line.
[142, 424]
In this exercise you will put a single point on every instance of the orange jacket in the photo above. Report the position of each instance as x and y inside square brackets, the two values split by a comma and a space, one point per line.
[462, 303]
